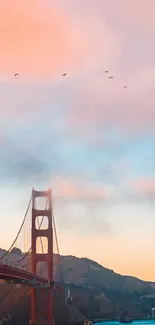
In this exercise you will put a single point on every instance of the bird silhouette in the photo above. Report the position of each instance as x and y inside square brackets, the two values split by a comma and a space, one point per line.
[64, 74]
[125, 86]
[106, 71]
[16, 74]
[111, 77]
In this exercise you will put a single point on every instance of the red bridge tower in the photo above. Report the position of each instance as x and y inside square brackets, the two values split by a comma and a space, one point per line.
[48, 258]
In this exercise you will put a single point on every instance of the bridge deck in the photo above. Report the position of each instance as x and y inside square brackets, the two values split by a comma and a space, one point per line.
[17, 275]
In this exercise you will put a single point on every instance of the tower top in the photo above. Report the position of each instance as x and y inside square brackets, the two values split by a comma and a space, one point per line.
[41, 193]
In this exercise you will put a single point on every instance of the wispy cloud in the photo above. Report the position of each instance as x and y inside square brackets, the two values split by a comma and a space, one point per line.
[27, 163]
[145, 187]
[78, 189]
[79, 205]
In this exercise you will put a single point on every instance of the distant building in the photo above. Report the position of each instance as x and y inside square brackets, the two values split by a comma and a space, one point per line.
[153, 312]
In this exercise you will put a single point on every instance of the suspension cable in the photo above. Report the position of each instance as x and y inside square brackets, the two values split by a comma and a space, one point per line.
[56, 238]
[57, 245]
[39, 226]
[28, 252]
[19, 229]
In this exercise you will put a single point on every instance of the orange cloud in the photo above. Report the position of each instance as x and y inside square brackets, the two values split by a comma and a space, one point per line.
[75, 190]
[38, 39]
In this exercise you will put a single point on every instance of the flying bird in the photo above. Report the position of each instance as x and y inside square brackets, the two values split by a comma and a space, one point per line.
[111, 77]
[64, 74]
[106, 71]
[125, 86]
[16, 74]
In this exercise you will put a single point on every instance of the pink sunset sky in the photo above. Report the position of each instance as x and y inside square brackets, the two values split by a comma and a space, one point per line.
[84, 135]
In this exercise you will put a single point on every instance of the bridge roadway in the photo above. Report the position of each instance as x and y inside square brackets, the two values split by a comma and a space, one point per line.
[13, 275]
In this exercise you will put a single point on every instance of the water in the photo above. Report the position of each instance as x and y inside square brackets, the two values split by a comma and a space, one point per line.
[136, 322]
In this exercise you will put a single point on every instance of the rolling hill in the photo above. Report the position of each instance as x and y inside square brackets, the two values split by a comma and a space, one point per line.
[97, 292]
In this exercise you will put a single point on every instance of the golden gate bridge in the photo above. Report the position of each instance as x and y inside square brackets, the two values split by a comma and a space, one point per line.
[41, 239]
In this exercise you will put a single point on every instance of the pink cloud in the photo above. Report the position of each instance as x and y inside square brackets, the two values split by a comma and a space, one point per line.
[41, 41]
[103, 102]
[146, 186]
[98, 100]
[139, 14]
[73, 189]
